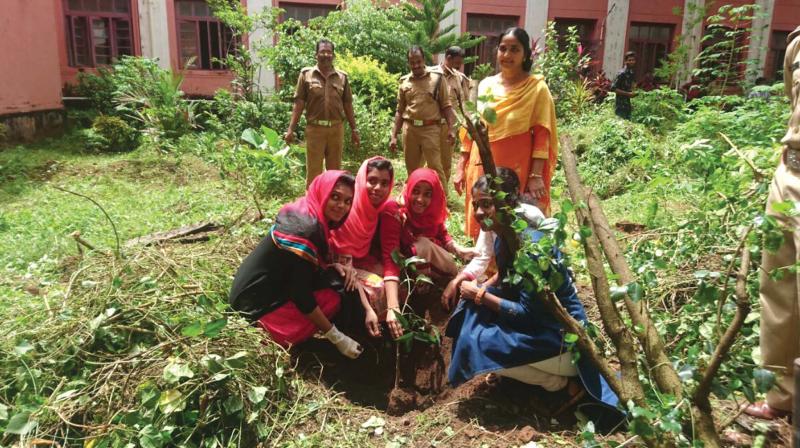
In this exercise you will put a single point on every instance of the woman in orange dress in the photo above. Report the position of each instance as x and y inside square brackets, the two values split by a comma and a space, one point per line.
[523, 137]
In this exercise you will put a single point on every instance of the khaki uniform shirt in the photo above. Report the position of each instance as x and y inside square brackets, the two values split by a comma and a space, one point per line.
[423, 98]
[324, 97]
[791, 82]
[458, 83]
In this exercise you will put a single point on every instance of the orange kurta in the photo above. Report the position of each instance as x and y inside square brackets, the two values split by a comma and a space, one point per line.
[525, 129]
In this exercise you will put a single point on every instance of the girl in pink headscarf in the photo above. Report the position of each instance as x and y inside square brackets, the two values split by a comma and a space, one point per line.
[424, 233]
[367, 240]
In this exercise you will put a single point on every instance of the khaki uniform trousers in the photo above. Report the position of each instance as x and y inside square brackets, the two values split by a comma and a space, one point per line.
[439, 258]
[323, 143]
[447, 153]
[780, 312]
[422, 142]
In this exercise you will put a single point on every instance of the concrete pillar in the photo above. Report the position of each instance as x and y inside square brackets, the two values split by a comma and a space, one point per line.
[616, 30]
[536, 13]
[759, 39]
[154, 31]
[691, 35]
[266, 77]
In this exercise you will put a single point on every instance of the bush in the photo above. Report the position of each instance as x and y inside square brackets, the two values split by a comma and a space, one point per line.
[369, 80]
[373, 126]
[230, 116]
[661, 109]
[109, 133]
[100, 89]
[3, 133]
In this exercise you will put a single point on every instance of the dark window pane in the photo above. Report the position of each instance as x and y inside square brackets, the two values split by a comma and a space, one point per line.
[80, 42]
[205, 60]
[75, 5]
[190, 54]
[184, 8]
[122, 5]
[101, 41]
[122, 38]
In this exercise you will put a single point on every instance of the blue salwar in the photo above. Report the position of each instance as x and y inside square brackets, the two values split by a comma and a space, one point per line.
[524, 332]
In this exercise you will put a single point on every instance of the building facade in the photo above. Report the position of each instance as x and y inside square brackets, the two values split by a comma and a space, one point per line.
[48, 42]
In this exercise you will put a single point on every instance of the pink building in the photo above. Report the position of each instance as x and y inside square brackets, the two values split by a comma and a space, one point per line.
[46, 43]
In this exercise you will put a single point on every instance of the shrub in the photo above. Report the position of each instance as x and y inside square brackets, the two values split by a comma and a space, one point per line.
[373, 125]
[109, 133]
[560, 65]
[100, 89]
[3, 133]
[230, 115]
[369, 80]
[661, 109]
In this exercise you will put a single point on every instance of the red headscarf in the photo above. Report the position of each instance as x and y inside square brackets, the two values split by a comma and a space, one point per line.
[428, 222]
[355, 236]
[301, 226]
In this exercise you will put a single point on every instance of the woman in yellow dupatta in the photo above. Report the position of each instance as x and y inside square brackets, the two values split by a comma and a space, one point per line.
[524, 136]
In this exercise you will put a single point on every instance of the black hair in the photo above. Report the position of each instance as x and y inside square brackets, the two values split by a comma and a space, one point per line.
[454, 52]
[326, 41]
[416, 49]
[381, 165]
[522, 36]
[761, 81]
[347, 180]
[508, 184]
[630, 54]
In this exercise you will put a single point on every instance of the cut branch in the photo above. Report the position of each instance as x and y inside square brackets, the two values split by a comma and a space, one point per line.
[113, 227]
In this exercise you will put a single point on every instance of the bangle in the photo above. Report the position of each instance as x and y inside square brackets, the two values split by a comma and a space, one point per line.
[532, 175]
[479, 295]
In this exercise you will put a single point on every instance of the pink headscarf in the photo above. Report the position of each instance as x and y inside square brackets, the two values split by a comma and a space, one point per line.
[354, 237]
[428, 222]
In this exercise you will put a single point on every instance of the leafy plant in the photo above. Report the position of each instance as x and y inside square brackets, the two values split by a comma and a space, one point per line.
[369, 80]
[110, 133]
[425, 18]
[482, 71]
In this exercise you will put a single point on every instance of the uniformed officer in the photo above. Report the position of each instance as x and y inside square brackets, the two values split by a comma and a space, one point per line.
[458, 83]
[780, 300]
[325, 94]
[623, 87]
[423, 102]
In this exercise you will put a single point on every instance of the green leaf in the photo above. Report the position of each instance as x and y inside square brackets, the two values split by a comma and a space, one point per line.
[23, 347]
[570, 338]
[3, 412]
[490, 115]
[764, 379]
[232, 404]
[618, 292]
[20, 424]
[237, 361]
[252, 137]
[174, 371]
[171, 401]
[256, 394]
[271, 136]
[192, 330]
[214, 327]
[635, 291]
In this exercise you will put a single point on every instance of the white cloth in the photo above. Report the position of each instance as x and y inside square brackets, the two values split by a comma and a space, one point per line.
[346, 345]
[551, 374]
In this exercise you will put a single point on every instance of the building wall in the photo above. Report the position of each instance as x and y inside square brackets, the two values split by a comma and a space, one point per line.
[787, 15]
[493, 7]
[30, 80]
[595, 10]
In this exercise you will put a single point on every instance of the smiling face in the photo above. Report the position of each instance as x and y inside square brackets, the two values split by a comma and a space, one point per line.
[510, 53]
[483, 209]
[416, 63]
[379, 185]
[421, 196]
[338, 204]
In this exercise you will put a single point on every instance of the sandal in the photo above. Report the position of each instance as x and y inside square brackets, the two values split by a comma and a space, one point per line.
[764, 411]
[575, 392]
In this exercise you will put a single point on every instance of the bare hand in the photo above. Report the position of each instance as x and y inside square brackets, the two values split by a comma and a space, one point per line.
[458, 180]
[371, 322]
[466, 253]
[348, 275]
[355, 138]
[395, 329]
[449, 294]
[535, 189]
[393, 144]
[469, 290]
[451, 137]
[289, 136]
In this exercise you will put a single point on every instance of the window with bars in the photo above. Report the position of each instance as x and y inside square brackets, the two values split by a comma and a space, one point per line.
[98, 31]
[203, 41]
[491, 27]
[651, 43]
[777, 50]
[304, 12]
[584, 29]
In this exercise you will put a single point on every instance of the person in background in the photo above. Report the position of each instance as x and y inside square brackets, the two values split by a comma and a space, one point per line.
[423, 105]
[758, 89]
[325, 94]
[458, 84]
[623, 86]
[282, 285]
[780, 303]
[524, 135]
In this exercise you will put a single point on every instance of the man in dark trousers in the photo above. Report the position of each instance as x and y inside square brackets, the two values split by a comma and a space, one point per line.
[623, 87]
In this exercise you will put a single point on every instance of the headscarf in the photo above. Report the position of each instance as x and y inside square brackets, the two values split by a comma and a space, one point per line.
[301, 227]
[428, 222]
[355, 236]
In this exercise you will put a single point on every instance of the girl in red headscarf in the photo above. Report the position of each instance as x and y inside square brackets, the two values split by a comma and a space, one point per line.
[424, 233]
[367, 240]
[281, 285]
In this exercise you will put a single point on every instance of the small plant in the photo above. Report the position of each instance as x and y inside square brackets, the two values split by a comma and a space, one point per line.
[482, 71]
[4, 133]
[109, 133]
[416, 328]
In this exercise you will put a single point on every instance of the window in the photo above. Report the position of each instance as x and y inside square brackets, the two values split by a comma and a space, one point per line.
[98, 31]
[202, 39]
[651, 44]
[584, 28]
[304, 13]
[777, 51]
[491, 27]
